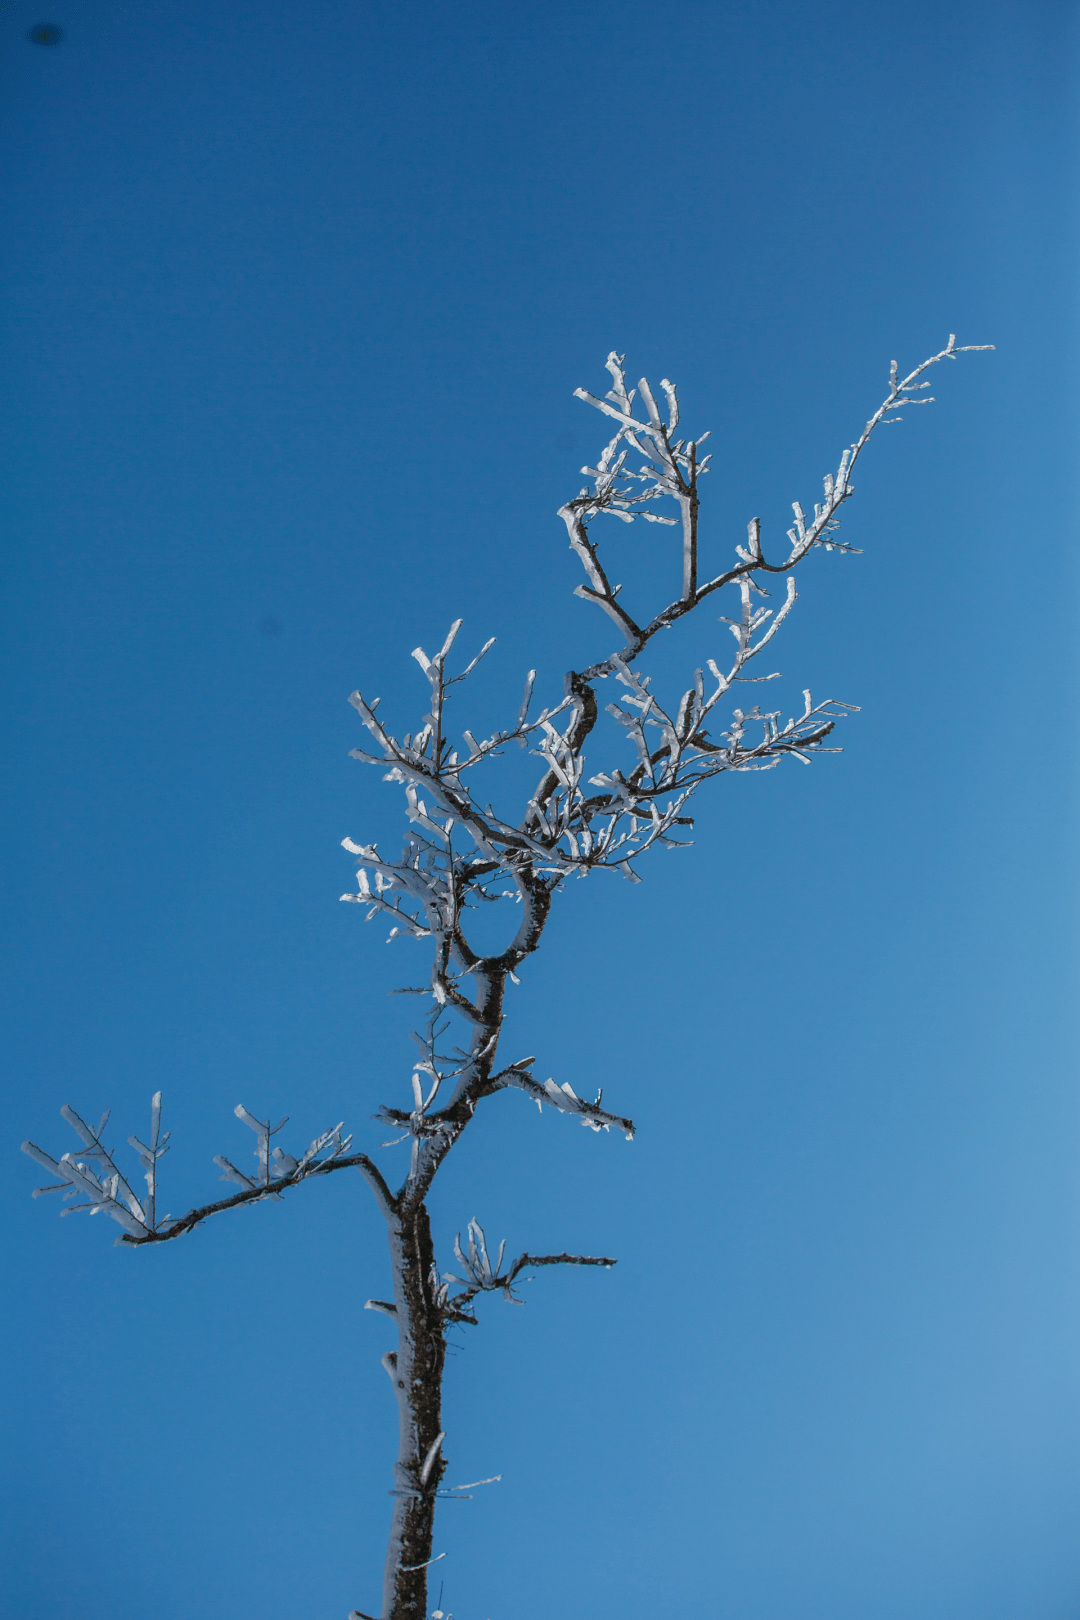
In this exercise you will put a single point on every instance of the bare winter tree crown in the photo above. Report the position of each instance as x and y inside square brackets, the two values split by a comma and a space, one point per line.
[461, 853]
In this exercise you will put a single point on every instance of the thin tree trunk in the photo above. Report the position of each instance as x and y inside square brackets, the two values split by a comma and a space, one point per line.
[416, 1371]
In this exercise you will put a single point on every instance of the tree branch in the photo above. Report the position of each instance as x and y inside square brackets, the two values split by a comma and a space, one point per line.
[358, 1161]
[667, 469]
[484, 1278]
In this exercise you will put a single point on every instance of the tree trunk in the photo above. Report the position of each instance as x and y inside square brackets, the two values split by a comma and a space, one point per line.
[416, 1371]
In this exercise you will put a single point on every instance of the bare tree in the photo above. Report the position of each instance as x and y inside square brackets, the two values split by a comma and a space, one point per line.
[461, 853]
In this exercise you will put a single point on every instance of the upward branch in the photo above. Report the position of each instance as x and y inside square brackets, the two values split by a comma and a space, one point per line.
[670, 467]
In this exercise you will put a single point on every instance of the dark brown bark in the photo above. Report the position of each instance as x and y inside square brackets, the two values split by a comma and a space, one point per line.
[416, 1370]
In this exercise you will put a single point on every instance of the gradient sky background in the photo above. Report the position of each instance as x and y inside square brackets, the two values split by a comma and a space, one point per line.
[295, 299]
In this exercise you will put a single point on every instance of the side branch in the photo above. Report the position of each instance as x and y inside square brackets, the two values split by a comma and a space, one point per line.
[481, 1277]
[561, 1260]
[357, 1161]
[563, 1098]
[107, 1189]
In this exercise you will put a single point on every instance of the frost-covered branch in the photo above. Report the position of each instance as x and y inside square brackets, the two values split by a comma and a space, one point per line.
[670, 467]
[562, 1098]
[481, 1277]
[107, 1191]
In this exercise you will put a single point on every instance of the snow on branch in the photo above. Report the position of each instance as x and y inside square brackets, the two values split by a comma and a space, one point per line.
[562, 1098]
[106, 1190]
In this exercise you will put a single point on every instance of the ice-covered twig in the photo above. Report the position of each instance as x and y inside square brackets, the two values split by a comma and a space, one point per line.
[562, 1098]
[264, 1131]
[453, 1492]
[149, 1154]
[481, 1277]
[108, 1192]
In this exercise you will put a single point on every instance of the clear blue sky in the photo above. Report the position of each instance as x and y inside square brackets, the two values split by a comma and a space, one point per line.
[295, 299]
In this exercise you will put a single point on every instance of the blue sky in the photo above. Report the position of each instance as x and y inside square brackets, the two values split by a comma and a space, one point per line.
[295, 299]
